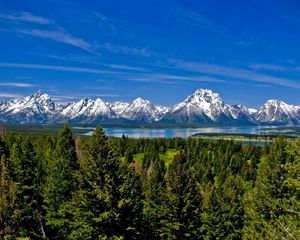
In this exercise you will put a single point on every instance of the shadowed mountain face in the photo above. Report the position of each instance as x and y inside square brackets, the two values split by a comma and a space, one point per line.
[202, 107]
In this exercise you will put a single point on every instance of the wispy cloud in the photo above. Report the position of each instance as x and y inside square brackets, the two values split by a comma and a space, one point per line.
[56, 68]
[24, 77]
[59, 36]
[271, 67]
[87, 59]
[17, 84]
[169, 79]
[10, 95]
[57, 33]
[96, 60]
[236, 73]
[105, 95]
[99, 88]
[125, 67]
[26, 17]
[126, 50]
[105, 23]
[193, 16]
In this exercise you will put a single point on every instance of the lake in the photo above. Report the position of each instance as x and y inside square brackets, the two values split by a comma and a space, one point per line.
[185, 132]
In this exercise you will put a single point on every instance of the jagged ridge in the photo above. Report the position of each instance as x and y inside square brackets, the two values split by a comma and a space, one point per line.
[202, 107]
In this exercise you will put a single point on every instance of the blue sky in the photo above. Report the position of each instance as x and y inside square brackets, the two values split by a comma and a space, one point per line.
[161, 50]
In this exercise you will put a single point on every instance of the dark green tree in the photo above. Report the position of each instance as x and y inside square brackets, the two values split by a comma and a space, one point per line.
[184, 201]
[25, 172]
[223, 212]
[271, 208]
[3, 147]
[128, 155]
[95, 208]
[60, 180]
[8, 192]
[155, 202]
[151, 155]
[131, 223]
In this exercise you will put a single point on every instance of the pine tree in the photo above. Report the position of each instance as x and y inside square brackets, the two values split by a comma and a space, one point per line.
[223, 213]
[272, 206]
[130, 205]
[155, 202]
[151, 155]
[128, 155]
[3, 147]
[8, 190]
[25, 171]
[94, 210]
[60, 180]
[184, 199]
[289, 219]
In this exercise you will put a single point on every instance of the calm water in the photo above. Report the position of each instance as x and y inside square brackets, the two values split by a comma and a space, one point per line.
[179, 132]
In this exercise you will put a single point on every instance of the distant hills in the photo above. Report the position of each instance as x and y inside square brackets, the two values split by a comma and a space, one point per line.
[202, 107]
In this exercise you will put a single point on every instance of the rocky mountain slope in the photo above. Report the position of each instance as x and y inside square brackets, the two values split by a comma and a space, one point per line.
[202, 107]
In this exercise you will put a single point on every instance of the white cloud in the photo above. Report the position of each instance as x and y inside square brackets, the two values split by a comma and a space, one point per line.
[165, 78]
[10, 95]
[59, 36]
[235, 73]
[125, 67]
[24, 77]
[96, 61]
[126, 50]
[272, 67]
[26, 17]
[56, 68]
[17, 84]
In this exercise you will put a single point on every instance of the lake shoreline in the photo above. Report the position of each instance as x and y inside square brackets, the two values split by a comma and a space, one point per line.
[87, 130]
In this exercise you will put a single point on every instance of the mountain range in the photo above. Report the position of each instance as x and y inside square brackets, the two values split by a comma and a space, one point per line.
[202, 107]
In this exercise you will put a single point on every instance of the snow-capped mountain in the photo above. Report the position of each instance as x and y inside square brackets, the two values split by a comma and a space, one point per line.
[202, 107]
[275, 111]
[205, 106]
[162, 111]
[87, 110]
[37, 108]
[119, 107]
[142, 110]
[242, 114]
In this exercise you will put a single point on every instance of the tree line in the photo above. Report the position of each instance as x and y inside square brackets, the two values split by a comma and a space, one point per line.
[62, 187]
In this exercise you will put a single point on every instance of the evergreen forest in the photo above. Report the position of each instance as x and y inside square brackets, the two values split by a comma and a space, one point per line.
[66, 187]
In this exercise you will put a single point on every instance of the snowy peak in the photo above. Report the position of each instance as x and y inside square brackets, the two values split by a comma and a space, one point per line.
[139, 110]
[118, 107]
[242, 114]
[162, 110]
[142, 110]
[140, 101]
[35, 108]
[40, 99]
[278, 112]
[238, 110]
[206, 94]
[204, 97]
[87, 110]
[203, 106]
[39, 96]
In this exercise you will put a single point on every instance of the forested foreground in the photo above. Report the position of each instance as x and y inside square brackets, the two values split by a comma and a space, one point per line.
[59, 187]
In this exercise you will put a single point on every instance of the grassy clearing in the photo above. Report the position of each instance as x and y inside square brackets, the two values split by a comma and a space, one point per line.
[138, 157]
[166, 156]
